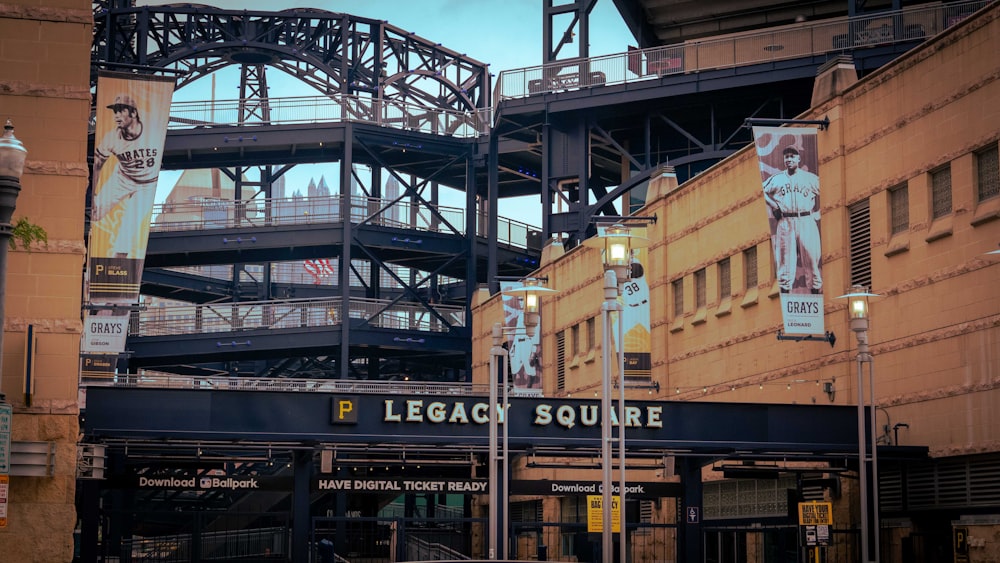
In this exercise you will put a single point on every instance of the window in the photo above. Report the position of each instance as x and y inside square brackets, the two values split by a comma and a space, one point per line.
[526, 511]
[987, 173]
[575, 339]
[941, 192]
[747, 498]
[561, 361]
[678, 289]
[899, 207]
[645, 517]
[725, 283]
[700, 286]
[573, 509]
[861, 243]
[592, 333]
[750, 268]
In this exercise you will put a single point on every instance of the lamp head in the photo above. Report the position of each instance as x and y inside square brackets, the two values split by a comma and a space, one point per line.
[857, 308]
[617, 243]
[12, 153]
[530, 291]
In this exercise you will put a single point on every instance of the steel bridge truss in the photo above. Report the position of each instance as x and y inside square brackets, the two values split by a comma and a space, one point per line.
[338, 55]
[333, 53]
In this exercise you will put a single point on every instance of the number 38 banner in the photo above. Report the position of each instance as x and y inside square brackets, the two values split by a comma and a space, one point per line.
[132, 115]
[789, 161]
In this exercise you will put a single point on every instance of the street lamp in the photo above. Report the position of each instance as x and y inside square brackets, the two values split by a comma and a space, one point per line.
[498, 360]
[858, 306]
[617, 242]
[529, 290]
[12, 157]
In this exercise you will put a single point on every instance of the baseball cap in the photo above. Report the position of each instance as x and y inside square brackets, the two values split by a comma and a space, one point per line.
[123, 100]
[794, 147]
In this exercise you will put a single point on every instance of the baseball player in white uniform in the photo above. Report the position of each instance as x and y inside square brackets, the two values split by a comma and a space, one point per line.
[793, 196]
[133, 182]
[524, 356]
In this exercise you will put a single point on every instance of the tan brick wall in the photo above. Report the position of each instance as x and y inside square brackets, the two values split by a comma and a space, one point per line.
[935, 333]
[44, 90]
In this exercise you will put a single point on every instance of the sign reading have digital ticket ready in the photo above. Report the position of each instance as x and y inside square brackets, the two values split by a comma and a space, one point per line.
[132, 116]
[789, 161]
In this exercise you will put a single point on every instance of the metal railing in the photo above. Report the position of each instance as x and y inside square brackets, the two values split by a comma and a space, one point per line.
[211, 213]
[319, 272]
[172, 320]
[230, 544]
[160, 380]
[735, 50]
[390, 113]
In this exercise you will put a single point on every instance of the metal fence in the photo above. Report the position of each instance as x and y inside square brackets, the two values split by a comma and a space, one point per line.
[390, 113]
[319, 271]
[570, 541]
[215, 213]
[734, 50]
[204, 542]
[172, 320]
[381, 539]
[160, 380]
[723, 544]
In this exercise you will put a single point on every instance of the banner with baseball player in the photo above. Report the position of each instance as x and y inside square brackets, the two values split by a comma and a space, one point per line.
[789, 160]
[132, 115]
[634, 299]
[523, 351]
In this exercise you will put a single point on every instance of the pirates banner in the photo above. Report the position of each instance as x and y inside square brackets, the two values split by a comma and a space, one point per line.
[132, 115]
[788, 163]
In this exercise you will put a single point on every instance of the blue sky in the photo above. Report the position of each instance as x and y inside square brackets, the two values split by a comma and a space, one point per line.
[505, 34]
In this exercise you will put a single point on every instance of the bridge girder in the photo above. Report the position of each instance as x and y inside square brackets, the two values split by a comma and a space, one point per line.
[331, 52]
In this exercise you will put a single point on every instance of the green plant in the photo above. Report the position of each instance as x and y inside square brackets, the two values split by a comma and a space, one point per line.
[26, 232]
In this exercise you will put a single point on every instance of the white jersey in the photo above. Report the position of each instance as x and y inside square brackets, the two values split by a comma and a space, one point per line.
[793, 193]
[138, 160]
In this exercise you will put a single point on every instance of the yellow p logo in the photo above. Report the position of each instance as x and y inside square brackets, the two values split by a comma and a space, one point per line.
[343, 408]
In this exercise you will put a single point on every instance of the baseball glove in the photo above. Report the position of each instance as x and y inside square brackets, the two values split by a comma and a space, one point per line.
[777, 214]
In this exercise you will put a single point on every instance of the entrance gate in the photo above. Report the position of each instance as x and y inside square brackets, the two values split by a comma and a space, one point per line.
[771, 544]
[195, 536]
[570, 541]
[384, 540]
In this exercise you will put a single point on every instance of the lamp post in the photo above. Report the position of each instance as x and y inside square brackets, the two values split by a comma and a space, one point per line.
[858, 308]
[529, 290]
[498, 358]
[617, 244]
[12, 157]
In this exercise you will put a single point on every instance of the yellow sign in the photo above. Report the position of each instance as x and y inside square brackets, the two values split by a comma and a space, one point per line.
[815, 513]
[595, 514]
